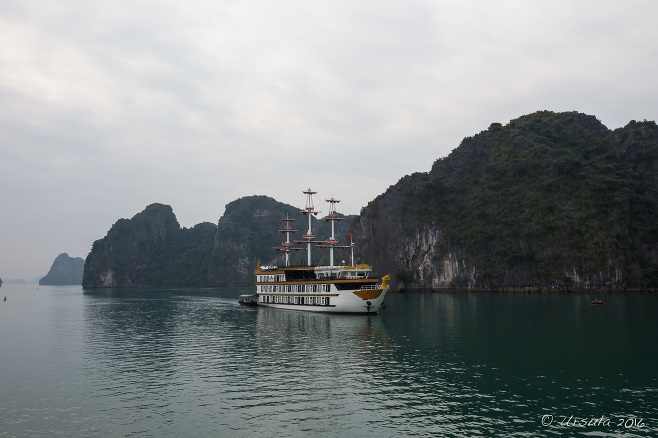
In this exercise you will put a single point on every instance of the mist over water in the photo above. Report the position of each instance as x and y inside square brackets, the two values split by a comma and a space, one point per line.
[129, 362]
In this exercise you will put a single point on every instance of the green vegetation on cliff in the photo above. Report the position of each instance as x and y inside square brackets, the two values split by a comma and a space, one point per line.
[551, 199]
[150, 250]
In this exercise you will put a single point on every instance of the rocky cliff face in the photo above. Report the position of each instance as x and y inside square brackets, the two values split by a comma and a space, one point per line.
[151, 250]
[65, 270]
[549, 201]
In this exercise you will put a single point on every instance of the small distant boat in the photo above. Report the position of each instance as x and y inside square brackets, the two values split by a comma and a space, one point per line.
[596, 303]
[248, 300]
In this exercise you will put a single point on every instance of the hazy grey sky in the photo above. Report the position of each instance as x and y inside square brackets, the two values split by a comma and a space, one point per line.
[106, 107]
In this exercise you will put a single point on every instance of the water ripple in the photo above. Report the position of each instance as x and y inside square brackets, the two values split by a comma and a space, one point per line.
[179, 363]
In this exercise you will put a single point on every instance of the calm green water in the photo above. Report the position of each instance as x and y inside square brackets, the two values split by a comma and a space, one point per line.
[194, 363]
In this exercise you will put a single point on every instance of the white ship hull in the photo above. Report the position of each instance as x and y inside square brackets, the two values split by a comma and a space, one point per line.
[345, 301]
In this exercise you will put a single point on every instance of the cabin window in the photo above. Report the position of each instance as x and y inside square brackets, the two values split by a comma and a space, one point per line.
[314, 300]
[326, 301]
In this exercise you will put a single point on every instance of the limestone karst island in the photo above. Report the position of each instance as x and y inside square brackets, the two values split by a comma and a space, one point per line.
[548, 202]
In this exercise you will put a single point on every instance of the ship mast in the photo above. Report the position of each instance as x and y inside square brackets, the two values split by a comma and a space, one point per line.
[333, 218]
[351, 247]
[308, 211]
[287, 245]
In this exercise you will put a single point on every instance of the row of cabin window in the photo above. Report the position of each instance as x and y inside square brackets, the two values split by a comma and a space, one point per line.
[310, 301]
[297, 288]
[270, 278]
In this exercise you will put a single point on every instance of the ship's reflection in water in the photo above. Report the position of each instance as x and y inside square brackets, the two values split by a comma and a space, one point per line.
[317, 371]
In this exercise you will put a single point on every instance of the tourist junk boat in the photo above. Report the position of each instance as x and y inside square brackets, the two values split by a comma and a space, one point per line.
[331, 289]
